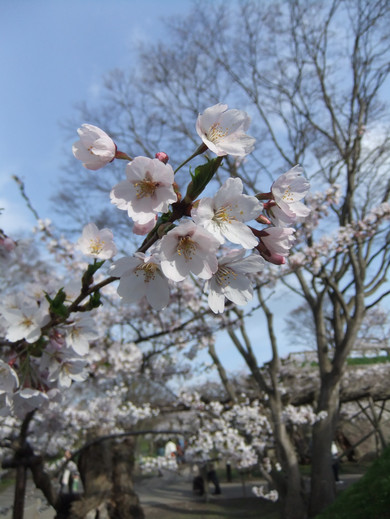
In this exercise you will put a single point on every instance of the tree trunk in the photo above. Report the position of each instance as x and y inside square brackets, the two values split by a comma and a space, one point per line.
[106, 470]
[20, 492]
[323, 490]
[290, 483]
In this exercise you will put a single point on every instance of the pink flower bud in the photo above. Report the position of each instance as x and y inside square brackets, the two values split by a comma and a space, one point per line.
[162, 156]
[263, 219]
[7, 243]
[270, 256]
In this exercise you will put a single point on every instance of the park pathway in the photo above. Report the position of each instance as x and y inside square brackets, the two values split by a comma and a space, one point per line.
[154, 493]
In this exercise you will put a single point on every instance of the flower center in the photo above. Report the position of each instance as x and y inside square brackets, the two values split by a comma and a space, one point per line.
[223, 215]
[148, 270]
[224, 276]
[27, 322]
[95, 245]
[146, 187]
[288, 196]
[90, 149]
[216, 132]
[186, 247]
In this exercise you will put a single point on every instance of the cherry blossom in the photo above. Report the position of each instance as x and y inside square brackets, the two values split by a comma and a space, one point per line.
[275, 243]
[140, 276]
[223, 131]
[272, 495]
[188, 248]
[142, 229]
[230, 281]
[97, 243]
[95, 148]
[224, 214]
[287, 192]
[6, 243]
[24, 318]
[80, 332]
[63, 366]
[147, 191]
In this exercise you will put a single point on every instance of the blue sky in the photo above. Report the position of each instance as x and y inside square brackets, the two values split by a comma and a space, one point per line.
[53, 54]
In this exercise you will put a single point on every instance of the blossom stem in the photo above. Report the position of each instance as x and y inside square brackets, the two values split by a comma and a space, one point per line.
[122, 155]
[265, 196]
[202, 148]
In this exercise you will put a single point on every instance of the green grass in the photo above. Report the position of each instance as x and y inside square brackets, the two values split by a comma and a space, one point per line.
[361, 361]
[6, 482]
[358, 361]
[368, 498]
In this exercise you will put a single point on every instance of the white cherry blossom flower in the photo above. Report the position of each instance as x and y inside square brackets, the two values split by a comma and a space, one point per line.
[147, 191]
[230, 281]
[223, 131]
[96, 243]
[80, 333]
[25, 320]
[224, 214]
[287, 192]
[140, 276]
[188, 248]
[63, 367]
[95, 148]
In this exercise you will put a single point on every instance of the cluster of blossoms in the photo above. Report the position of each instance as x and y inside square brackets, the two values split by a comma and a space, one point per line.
[272, 495]
[302, 415]
[239, 434]
[155, 465]
[49, 333]
[318, 254]
[62, 361]
[189, 236]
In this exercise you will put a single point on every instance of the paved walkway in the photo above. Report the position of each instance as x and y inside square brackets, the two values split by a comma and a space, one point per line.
[152, 492]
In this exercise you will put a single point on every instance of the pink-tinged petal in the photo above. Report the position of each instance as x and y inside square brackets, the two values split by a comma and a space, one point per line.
[95, 148]
[223, 131]
[142, 229]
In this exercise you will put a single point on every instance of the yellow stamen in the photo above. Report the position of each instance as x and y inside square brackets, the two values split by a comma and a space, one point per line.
[148, 270]
[96, 246]
[216, 132]
[288, 197]
[224, 276]
[223, 214]
[27, 322]
[146, 187]
[186, 247]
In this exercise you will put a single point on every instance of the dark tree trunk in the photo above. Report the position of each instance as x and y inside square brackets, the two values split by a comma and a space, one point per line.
[106, 470]
[323, 490]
